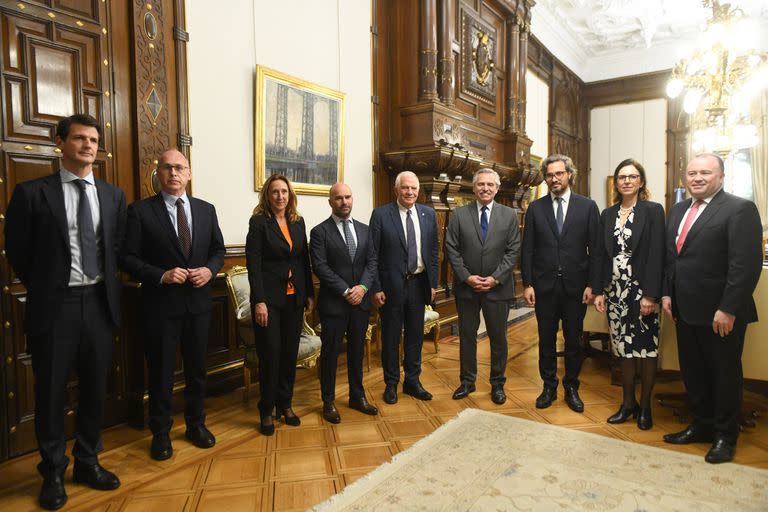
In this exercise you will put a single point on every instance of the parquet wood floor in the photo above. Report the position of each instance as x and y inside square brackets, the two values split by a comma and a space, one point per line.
[301, 466]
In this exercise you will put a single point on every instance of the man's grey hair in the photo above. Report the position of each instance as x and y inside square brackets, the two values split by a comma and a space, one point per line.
[487, 170]
[716, 157]
[560, 158]
[405, 173]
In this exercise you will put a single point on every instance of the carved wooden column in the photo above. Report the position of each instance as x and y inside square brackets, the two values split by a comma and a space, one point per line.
[181, 38]
[523, 67]
[513, 54]
[427, 50]
[445, 64]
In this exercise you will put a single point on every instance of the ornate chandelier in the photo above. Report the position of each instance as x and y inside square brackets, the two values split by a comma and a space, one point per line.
[720, 77]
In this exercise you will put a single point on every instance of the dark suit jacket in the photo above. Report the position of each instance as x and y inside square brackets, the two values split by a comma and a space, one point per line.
[337, 271]
[469, 255]
[270, 260]
[720, 262]
[37, 245]
[573, 253]
[388, 239]
[152, 246]
[646, 244]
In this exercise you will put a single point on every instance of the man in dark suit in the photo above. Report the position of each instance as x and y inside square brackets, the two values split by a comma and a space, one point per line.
[61, 237]
[560, 269]
[713, 264]
[345, 262]
[404, 236]
[483, 243]
[174, 246]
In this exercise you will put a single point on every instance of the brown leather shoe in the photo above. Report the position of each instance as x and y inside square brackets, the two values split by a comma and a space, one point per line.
[362, 405]
[330, 413]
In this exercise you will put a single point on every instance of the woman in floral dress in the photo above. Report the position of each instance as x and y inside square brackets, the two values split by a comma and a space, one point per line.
[632, 269]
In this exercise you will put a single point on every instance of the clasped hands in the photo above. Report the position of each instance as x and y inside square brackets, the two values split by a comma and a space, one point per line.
[647, 304]
[481, 284]
[197, 276]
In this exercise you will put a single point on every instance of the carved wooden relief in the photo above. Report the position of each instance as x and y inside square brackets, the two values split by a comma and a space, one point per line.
[478, 53]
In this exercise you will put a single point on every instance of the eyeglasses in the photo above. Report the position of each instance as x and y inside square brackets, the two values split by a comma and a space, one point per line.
[628, 177]
[177, 168]
[553, 175]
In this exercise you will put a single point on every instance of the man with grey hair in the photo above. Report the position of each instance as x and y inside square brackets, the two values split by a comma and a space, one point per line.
[560, 270]
[713, 263]
[482, 244]
[404, 236]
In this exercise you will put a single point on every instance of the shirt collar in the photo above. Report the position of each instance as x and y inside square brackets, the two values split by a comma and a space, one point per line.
[480, 206]
[403, 209]
[708, 199]
[566, 196]
[170, 199]
[67, 177]
[338, 220]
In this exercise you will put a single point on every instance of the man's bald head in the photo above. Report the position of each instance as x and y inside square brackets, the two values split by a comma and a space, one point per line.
[340, 199]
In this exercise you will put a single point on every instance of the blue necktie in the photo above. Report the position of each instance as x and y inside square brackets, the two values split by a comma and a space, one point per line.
[484, 221]
[559, 217]
[410, 243]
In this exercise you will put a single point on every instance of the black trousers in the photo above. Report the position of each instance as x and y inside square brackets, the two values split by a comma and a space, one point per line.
[551, 308]
[163, 335]
[711, 369]
[495, 313]
[353, 323]
[81, 337]
[277, 345]
[408, 314]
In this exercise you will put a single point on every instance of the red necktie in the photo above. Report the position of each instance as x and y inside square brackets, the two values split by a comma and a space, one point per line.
[688, 222]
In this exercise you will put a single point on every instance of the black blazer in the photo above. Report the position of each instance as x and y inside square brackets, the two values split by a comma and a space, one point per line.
[719, 264]
[152, 246]
[270, 260]
[337, 271]
[573, 253]
[388, 239]
[646, 244]
[37, 245]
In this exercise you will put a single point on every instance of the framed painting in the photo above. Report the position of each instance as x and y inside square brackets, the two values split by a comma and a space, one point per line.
[299, 132]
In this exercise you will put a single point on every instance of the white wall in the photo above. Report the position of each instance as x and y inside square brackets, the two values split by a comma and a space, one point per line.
[537, 114]
[631, 130]
[323, 41]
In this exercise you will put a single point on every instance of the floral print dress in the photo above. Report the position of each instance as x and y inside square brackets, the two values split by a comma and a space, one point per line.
[632, 335]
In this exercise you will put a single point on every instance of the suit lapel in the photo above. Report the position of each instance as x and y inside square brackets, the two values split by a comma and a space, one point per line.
[107, 215]
[708, 213]
[362, 240]
[548, 204]
[573, 206]
[474, 218]
[638, 222]
[335, 235]
[398, 223]
[198, 225]
[610, 225]
[675, 218]
[294, 228]
[272, 223]
[423, 229]
[54, 194]
[161, 212]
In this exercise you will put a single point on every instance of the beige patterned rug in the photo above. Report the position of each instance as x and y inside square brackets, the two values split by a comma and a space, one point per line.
[483, 461]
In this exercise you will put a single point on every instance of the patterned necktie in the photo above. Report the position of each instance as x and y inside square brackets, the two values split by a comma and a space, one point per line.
[484, 221]
[89, 251]
[185, 238]
[559, 217]
[688, 223]
[351, 245]
[410, 243]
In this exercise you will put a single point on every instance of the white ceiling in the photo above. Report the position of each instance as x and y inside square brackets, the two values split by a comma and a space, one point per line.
[603, 39]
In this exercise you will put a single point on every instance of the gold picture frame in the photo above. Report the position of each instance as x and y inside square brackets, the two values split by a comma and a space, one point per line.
[299, 132]
[609, 191]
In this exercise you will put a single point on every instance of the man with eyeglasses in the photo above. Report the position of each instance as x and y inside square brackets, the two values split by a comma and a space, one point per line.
[61, 237]
[713, 264]
[174, 246]
[560, 269]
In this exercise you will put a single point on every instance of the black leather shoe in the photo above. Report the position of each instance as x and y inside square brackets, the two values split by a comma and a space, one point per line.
[463, 391]
[95, 477]
[722, 450]
[497, 394]
[644, 419]
[692, 434]
[362, 405]
[623, 414]
[161, 446]
[417, 391]
[330, 413]
[390, 394]
[573, 400]
[267, 426]
[52, 493]
[290, 417]
[200, 437]
[547, 396]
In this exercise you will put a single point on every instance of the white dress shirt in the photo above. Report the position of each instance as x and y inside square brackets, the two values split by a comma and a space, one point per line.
[702, 206]
[417, 229]
[487, 213]
[566, 197]
[340, 226]
[71, 203]
[170, 205]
